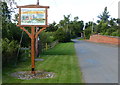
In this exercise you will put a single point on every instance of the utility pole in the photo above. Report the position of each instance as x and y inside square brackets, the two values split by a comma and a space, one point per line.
[92, 25]
[36, 41]
[37, 2]
[84, 32]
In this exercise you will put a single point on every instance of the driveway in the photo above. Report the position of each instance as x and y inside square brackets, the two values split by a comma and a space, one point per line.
[98, 62]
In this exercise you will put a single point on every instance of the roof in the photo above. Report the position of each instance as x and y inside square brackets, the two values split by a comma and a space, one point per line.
[32, 6]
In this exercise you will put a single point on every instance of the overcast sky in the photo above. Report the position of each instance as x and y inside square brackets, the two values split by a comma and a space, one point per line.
[86, 10]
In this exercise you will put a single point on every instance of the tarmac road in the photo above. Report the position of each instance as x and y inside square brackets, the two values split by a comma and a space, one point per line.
[98, 62]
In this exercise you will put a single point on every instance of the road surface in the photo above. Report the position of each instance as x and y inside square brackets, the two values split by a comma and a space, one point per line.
[98, 62]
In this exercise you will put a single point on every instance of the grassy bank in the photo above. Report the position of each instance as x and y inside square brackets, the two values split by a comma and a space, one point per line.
[61, 60]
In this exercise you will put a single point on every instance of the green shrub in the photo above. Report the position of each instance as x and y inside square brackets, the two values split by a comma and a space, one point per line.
[24, 54]
[62, 36]
[110, 31]
[118, 33]
[87, 32]
[46, 37]
[9, 51]
[106, 33]
[114, 34]
[102, 33]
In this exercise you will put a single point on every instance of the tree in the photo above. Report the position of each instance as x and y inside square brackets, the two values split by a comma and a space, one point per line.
[88, 24]
[11, 3]
[68, 29]
[63, 31]
[62, 36]
[76, 18]
[11, 36]
[103, 23]
[65, 23]
[5, 12]
[104, 16]
[52, 27]
[76, 28]
[107, 26]
[118, 21]
[112, 22]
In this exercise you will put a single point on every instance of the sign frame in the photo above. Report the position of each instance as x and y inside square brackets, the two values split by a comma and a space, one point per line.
[33, 6]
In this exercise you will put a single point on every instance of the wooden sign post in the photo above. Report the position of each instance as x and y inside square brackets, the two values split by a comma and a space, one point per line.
[33, 16]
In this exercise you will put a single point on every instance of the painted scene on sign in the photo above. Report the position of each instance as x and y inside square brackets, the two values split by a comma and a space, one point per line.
[33, 16]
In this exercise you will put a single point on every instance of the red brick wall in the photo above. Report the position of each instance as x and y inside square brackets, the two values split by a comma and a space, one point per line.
[104, 39]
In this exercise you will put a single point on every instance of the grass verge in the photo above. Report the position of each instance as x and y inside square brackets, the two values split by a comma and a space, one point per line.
[61, 60]
[81, 39]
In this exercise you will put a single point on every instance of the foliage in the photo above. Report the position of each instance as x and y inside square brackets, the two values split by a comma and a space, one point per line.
[9, 49]
[63, 32]
[62, 36]
[12, 4]
[116, 33]
[11, 35]
[52, 27]
[108, 28]
[109, 31]
[105, 25]
[118, 21]
[76, 28]
[112, 22]
[46, 37]
[87, 32]
[24, 55]
[5, 12]
[104, 16]
[69, 29]
[9, 29]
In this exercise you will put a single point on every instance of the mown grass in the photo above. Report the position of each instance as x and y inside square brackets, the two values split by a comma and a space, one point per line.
[81, 39]
[61, 60]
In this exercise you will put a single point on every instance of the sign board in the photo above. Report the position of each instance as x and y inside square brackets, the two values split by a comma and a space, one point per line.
[33, 15]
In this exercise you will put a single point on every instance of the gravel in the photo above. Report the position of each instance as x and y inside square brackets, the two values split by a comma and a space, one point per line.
[27, 75]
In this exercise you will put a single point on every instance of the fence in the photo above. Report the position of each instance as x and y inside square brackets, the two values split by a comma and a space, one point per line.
[50, 45]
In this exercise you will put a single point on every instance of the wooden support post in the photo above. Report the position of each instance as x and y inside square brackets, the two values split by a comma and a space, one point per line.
[33, 35]
[33, 49]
